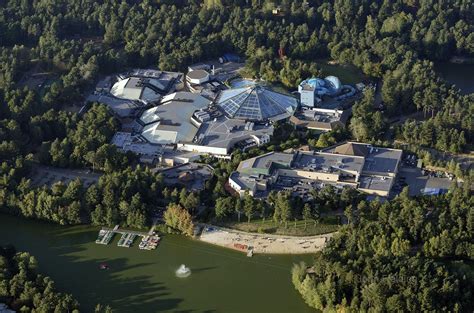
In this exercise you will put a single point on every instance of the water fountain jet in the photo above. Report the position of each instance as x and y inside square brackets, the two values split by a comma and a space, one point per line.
[183, 271]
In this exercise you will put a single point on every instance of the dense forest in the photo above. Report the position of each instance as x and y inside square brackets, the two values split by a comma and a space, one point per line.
[392, 41]
[408, 255]
[282, 207]
[126, 196]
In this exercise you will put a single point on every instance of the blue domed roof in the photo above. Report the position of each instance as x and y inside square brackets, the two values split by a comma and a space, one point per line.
[334, 82]
[315, 82]
[330, 85]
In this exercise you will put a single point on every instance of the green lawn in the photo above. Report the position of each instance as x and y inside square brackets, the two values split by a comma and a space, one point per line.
[323, 226]
[348, 74]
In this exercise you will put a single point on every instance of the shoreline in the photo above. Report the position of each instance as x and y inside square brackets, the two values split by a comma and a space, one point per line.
[461, 60]
[263, 243]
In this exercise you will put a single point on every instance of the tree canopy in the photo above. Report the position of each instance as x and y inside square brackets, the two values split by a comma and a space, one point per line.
[404, 255]
[25, 290]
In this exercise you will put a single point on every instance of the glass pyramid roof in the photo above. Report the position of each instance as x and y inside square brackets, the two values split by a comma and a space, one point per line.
[256, 103]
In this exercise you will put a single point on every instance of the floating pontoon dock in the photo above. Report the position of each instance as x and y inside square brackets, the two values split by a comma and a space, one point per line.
[126, 240]
[149, 241]
[105, 235]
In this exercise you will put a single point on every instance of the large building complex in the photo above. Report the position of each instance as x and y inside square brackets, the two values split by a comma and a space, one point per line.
[320, 119]
[325, 104]
[128, 93]
[122, 108]
[217, 136]
[191, 123]
[191, 115]
[134, 88]
[170, 122]
[369, 169]
[313, 90]
[201, 79]
[145, 85]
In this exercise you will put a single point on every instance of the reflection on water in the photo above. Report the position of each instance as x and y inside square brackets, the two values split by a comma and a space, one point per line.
[460, 75]
[145, 281]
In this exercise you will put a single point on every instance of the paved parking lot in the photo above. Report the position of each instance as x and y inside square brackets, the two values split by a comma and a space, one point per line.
[415, 180]
[298, 186]
[47, 175]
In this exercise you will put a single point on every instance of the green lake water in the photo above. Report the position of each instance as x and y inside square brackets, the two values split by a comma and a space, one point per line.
[461, 75]
[222, 280]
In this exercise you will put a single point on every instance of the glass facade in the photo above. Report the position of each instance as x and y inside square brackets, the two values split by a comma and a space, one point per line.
[256, 103]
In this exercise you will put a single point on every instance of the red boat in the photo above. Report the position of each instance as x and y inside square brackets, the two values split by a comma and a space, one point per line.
[103, 266]
[240, 246]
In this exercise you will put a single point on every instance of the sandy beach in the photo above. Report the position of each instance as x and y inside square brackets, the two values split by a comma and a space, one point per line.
[263, 243]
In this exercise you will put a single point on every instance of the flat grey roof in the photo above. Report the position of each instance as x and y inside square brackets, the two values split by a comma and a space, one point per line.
[265, 161]
[246, 164]
[224, 132]
[164, 81]
[127, 142]
[134, 82]
[120, 138]
[121, 107]
[319, 116]
[375, 183]
[151, 73]
[173, 172]
[332, 103]
[377, 160]
[170, 122]
[382, 160]
[326, 162]
[245, 182]
[197, 74]
[356, 160]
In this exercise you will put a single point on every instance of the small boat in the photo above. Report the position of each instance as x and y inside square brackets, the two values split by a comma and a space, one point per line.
[103, 266]
[240, 246]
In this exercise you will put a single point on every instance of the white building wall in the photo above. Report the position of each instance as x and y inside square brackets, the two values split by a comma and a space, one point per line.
[373, 173]
[328, 111]
[307, 98]
[203, 149]
[310, 175]
[238, 189]
[262, 185]
[380, 193]
[234, 185]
